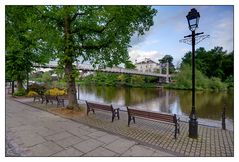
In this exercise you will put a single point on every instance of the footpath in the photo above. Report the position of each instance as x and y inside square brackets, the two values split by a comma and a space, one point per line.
[34, 132]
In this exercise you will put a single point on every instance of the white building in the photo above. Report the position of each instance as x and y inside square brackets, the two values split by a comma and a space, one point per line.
[147, 66]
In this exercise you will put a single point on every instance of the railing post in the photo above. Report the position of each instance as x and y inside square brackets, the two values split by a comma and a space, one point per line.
[224, 118]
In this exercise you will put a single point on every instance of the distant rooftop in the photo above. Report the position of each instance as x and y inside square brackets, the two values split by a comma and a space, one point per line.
[146, 61]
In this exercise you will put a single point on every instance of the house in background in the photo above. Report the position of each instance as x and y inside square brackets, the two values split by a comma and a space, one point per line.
[147, 66]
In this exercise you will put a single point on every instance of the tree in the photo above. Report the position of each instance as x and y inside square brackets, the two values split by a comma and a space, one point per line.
[23, 48]
[213, 63]
[129, 65]
[99, 34]
[168, 59]
[46, 78]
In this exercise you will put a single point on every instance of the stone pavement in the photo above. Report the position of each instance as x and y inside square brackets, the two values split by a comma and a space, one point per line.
[33, 132]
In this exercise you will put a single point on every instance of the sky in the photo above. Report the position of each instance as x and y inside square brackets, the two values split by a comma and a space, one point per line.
[170, 26]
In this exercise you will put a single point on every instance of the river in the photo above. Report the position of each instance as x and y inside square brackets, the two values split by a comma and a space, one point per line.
[209, 105]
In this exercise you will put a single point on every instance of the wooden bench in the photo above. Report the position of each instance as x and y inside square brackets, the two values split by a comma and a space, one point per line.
[92, 106]
[58, 99]
[166, 118]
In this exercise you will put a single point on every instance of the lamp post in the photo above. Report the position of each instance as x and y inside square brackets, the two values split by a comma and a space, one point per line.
[193, 20]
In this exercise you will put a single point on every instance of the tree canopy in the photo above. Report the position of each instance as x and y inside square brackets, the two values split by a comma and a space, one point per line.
[213, 63]
[23, 47]
[167, 59]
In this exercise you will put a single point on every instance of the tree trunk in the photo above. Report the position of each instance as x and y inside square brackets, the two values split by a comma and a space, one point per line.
[68, 60]
[71, 87]
[19, 85]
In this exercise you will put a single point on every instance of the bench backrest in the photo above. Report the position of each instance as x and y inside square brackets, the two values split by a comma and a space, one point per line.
[152, 115]
[50, 97]
[99, 106]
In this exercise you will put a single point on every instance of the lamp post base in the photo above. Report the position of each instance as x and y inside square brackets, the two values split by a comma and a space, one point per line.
[193, 128]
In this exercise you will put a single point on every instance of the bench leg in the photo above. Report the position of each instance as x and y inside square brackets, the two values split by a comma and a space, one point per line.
[42, 100]
[129, 119]
[88, 110]
[118, 114]
[134, 119]
[113, 117]
[176, 131]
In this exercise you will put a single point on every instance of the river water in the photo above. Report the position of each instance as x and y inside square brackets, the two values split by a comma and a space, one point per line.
[209, 105]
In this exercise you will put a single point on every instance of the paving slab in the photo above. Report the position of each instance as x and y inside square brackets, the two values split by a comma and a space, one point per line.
[30, 139]
[58, 136]
[139, 150]
[69, 141]
[108, 138]
[45, 149]
[100, 152]
[79, 132]
[97, 134]
[88, 145]
[120, 145]
[69, 152]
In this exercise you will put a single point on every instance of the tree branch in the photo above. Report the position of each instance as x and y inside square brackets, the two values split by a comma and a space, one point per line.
[59, 22]
[75, 16]
[95, 30]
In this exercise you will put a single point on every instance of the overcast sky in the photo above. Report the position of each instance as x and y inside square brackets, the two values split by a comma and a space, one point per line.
[170, 25]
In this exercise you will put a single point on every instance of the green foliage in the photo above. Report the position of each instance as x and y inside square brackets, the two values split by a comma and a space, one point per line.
[40, 89]
[230, 81]
[137, 80]
[46, 78]
[184, 80]
[20, 92]
[23, 47]
[129, 65]
[61, 84]
[167, 59]
[212, 63]
[120, 80]
[98, 34]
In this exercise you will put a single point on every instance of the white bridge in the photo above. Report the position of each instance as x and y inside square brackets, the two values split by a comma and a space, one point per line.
[87, 67]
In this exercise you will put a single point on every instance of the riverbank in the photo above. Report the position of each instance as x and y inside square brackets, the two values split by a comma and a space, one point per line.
[182, 81]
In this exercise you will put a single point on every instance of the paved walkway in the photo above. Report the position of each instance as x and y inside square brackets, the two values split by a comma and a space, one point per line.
[33, 132]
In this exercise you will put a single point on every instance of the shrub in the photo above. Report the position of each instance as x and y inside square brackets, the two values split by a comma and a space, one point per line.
[32, 93]
[40, 89]
[20, 92]
[55, 92]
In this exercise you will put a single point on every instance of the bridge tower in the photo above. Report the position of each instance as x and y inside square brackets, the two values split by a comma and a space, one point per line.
[167, 72]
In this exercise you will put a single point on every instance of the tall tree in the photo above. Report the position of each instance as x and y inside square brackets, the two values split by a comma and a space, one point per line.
[99, 34]
[168, 59]
[23, 48]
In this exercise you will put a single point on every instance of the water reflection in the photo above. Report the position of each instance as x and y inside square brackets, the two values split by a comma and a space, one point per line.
[208, 104]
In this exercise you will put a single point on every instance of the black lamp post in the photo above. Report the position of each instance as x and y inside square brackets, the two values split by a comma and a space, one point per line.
[193, 20]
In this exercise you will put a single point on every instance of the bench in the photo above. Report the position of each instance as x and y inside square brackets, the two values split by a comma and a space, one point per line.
[92, 106]
[166, 118]
[58, 99]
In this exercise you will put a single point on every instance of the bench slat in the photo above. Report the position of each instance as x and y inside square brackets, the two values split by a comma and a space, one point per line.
[98, 106]
[163, 117]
